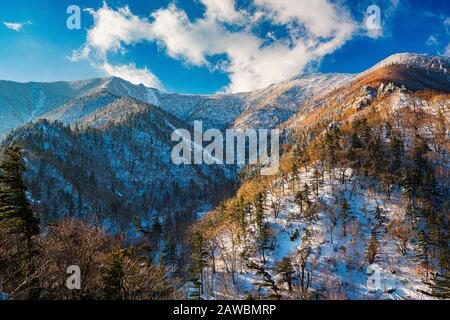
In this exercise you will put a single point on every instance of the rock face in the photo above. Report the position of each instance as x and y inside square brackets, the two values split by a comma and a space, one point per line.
[368, 94]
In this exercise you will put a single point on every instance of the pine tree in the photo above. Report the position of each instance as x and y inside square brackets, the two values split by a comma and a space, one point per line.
[300, 200]
[16, 213]
[421, 168]
[440, 287]
[266, 278]
[113, 277]
[359, 142]
[397, 150]
[169, 254]
[332, 145]
[260, 223]
[286, 271]
[423, 249]
[372, 248]
[346, 215]
[379, 215]
[409, 188]
[295, 175]
[241, 214]
[306, 193]
[316, 182]
[378, 161]
[198, 256]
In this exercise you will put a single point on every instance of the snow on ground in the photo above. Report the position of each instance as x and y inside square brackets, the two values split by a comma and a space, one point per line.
[39, 106]
[340, 265]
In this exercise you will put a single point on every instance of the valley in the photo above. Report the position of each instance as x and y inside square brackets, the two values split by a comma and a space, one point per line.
[358, 210]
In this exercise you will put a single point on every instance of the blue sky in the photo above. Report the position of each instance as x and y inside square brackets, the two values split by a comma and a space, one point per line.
[206, 46]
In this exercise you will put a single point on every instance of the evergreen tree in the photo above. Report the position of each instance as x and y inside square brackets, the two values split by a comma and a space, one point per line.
[169, 254]
[113, 277]
[440, 287]
[16, 213]
[334, 150]
[241, 214]
[316, 182]
[409, 189]
[300, 200]
[262, 234]
[266, 278]
[423, 249]
[346, 215]
[286, 271]
[198, 256]
[377, 158]
[372, 248]
[295, 175]
[421, 168]
[379, 215]
[397, 150]
[359, 142]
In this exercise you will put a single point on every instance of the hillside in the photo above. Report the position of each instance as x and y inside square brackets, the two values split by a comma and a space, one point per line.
[114, 169]
[360, 208]
[362, 194]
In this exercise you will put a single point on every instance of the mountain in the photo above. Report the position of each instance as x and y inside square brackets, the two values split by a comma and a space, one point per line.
[24, 102]
[391, 81]
[68, 102]
[132, 162]
[359, 209]
[113, 169]
[99, 150]
[96, 107]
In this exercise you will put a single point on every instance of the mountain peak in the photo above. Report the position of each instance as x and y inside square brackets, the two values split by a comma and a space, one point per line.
[414, 71]
[416, 60]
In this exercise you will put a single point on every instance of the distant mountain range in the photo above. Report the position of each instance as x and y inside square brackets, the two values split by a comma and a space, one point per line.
[114, 159]
[72, 102]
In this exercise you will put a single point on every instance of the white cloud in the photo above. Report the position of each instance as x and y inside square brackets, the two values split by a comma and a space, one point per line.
[432, 41]
[250, 64]
[316, 28]
[16, 26]
[222, 10]
[114, 28]
[132, 74]
[173, 31]
[320, 17]
[112, 31]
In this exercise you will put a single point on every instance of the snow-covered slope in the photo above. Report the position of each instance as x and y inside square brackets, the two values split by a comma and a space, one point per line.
[23, 102]
[412, 60]
[115, 168]
[68, 102]
[336, 262]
